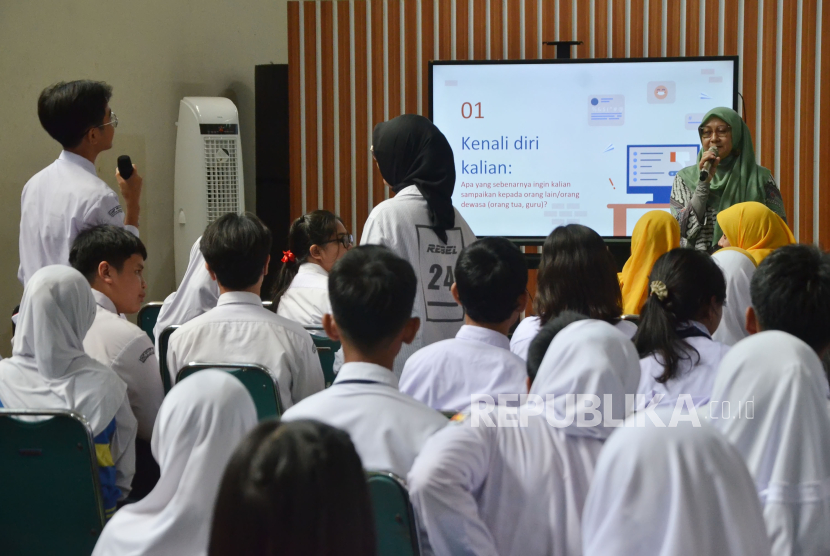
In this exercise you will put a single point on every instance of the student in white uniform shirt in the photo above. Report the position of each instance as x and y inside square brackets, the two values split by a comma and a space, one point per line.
[50, 370]
[514, 490]
[372, 291]
[316, 241]
[201, 422]
[419, 223]
[298, 488]
[491, 285]
[683, 309]
[68, 196]
[738, 266]
[576, 273]
[790, 292]
[240, 330]
[112, 261]
[197, 294]
[672, 491]
[770, 400]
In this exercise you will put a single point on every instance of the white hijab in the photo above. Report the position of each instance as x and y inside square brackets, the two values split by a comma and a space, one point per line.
[197, 294]
[671, 491]
[49, 368]
[738, 269]
[589, 357]
[199, 425]
[786, 442]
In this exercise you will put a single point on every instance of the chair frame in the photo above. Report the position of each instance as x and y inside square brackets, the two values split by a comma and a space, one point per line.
[196, 366]
[93, 457]
[412, 522]
[151, 304]
[163, 343]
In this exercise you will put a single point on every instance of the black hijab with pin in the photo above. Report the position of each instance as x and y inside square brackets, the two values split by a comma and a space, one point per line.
[410, 150]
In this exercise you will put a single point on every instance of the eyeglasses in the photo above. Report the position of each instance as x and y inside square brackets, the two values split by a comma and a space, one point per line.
[347, 240]
[722, 131]
[113, 121]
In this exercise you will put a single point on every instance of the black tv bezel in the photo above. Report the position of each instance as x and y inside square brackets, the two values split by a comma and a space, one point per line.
[538, 240]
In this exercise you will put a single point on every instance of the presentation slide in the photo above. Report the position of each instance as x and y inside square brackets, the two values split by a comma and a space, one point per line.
[539, 145]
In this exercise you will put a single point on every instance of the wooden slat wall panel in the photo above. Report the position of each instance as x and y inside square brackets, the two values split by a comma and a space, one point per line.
[618, 35]
[749, 61]
[479, 29]
[786, 142]
[673, 29]
[310, 52]
[496, 30]
[655, 31]
[693, 26]
[583, 30]
[710, 31]
[824, 141]
[637, 28]
[344, 80]
[378, 79]
[462, 30]
[361, 117]
[411, 54]
[327, 89]
[380, 92]
[514, 29]
[807, 122]
[294, 131]
[532, 30]
[601, 47]
[393, 47]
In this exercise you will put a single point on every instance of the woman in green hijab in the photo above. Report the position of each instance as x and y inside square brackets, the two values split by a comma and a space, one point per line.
[734, 177]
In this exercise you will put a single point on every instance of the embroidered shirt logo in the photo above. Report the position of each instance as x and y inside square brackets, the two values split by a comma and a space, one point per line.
[115, 210]
[147, 353]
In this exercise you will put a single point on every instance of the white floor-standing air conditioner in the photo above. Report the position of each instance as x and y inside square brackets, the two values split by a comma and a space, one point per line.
[208, 181]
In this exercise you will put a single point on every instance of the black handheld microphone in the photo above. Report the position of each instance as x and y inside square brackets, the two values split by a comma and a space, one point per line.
[125, 166]
[707, 166]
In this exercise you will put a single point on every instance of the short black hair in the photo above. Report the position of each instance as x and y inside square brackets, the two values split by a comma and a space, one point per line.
[103, 243]
[236, 248]
[578, 273]
[790, 291]
[540, 344]
[285, 486]
[68, 110]
[372, 291]
[490, 275]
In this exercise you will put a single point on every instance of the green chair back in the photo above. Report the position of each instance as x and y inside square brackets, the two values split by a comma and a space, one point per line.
[260, 384]
[397, 534]
[51, 497]
[164, 342]
[147, 317]
[325, 351]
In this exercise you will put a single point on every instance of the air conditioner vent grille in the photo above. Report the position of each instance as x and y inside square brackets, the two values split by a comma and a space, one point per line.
[221, 165]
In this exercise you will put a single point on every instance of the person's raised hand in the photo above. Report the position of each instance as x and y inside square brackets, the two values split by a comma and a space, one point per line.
[709, 155]
[131, 190]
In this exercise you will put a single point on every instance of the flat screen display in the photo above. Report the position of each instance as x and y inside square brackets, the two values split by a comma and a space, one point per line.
[543, 143]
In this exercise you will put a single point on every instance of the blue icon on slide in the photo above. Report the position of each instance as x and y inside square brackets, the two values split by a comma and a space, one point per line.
[658, 164]
[594, 101]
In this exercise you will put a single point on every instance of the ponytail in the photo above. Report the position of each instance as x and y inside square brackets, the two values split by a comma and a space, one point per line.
[310, 229]
[682, 285]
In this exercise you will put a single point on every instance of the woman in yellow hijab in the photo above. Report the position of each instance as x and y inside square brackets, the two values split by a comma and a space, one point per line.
[655, 234]
[755, 228]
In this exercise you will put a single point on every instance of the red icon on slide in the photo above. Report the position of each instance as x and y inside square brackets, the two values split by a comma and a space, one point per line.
[661, 92]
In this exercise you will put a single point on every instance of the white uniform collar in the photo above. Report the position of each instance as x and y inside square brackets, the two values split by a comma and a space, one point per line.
[367, 371]
[78, 160]
[103, 301]
[484, 335]
[246, 298]
[409, 190]
[312, 268]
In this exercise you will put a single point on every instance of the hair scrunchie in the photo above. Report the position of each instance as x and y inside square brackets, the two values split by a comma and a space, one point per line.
[659, 289]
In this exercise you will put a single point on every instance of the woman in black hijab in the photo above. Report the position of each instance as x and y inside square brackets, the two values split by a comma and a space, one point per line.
[419, 223]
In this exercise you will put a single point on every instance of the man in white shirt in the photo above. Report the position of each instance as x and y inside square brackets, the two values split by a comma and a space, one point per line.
[68, 196]
[239, 329]
[372, 291]
[491, 285]
[112, 261]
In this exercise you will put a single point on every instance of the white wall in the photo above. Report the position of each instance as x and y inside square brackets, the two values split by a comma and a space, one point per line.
[153, 53]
